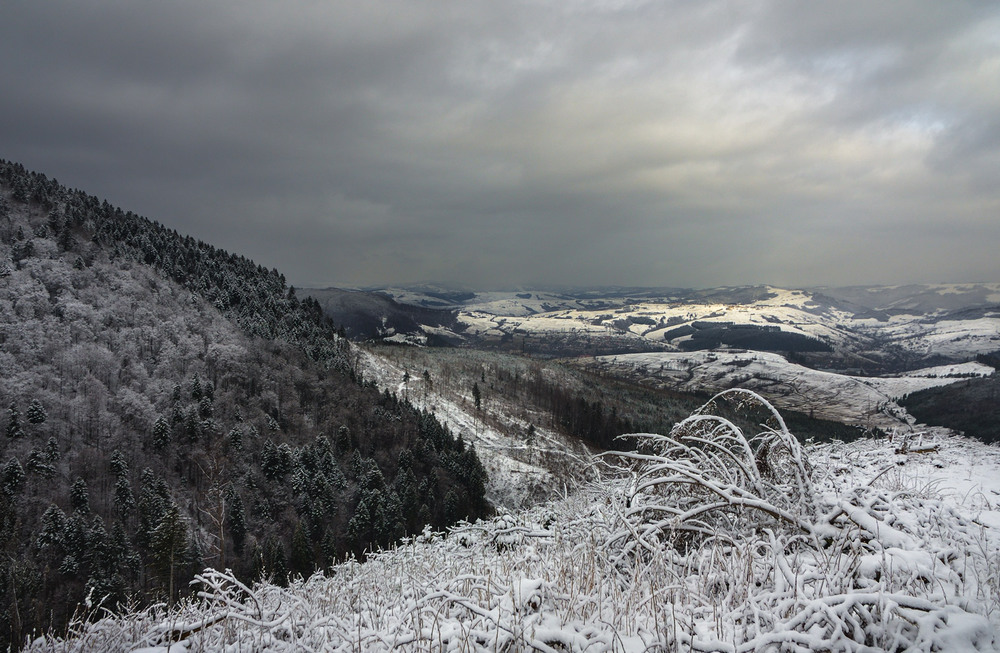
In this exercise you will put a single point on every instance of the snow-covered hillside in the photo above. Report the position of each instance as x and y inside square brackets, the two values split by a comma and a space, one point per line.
[864, 401]
[842, 354]
[876, 327]
[517, 475]
[709, 540]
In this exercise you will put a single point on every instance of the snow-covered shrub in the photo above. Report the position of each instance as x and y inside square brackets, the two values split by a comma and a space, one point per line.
[708, 480]
[761, 562]
[705, 540]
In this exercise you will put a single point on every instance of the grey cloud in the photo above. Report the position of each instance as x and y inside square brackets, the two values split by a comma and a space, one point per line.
[666, 143]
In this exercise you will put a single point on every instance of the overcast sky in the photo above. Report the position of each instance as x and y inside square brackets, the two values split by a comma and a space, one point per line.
[503, 143]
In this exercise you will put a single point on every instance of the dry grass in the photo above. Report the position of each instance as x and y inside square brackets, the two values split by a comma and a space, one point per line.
[705, 540]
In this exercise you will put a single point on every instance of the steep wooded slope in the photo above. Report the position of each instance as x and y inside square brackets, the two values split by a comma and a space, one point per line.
[171, 406]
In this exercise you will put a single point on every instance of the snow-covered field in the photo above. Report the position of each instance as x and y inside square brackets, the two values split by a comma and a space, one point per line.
[708, 540]
[862, 400]
[910, 328]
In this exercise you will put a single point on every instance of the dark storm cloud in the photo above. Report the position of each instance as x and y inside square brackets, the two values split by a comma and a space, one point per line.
[494, 143]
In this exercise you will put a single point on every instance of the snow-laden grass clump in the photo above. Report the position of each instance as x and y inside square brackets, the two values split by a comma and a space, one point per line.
[711, 538]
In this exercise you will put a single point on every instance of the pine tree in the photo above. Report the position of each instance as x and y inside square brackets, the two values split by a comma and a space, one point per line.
[14, 429]
[124, 499]
[301, 561]
[66, 241]
[161, 433]
[118, 465]
[36, 413]
[38, 464]
[79, 497]
[235, 438]
[11, 477]
[53, 533]
[52, 454]
[236, 518]
[205, 407]
[154, 499]
[452, 507]
[192, 425]
[278, 567]
[168, 545]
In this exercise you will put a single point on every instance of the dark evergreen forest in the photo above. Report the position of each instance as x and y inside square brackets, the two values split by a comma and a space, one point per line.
[169, 406]
[971, 406]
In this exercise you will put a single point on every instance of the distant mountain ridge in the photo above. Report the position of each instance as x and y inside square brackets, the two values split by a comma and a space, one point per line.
[373, 315]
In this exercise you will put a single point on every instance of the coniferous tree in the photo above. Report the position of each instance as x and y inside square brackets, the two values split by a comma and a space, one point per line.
[168, 545]
[236, 518]
[79, 496]
[154, 499]
[52, 454]
[52, 535]
[301, 560]
[36, 413]
[124, 499]
[277, 563]
[37, 463]
[161, 433]
[235, 438]
[118, 465]
[14, 429]
[11, 477]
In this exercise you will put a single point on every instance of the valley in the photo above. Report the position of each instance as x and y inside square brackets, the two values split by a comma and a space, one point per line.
[842, 354]
[600, 469]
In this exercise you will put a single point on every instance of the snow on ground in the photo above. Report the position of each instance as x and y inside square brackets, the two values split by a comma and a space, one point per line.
[794, 311]
[876, 545]
[958, 370]
[962, 472]
[513, 482]
[957, 337]
[487, 324]
[866, 401]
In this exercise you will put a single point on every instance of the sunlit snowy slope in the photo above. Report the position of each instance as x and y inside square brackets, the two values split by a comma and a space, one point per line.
[876, 328]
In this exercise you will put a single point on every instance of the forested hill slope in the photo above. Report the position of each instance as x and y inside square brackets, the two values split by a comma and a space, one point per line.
[169, 406]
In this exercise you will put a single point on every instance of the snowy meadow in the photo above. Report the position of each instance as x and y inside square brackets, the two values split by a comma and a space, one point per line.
[724, 535]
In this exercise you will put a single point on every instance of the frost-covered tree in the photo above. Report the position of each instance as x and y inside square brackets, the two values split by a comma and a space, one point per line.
[14, 429]
[38, 463]
[301, 558]
[53, 532]
[161, 433]
[36, 412]
[118, 465]
[52, 453]
[11, 477]
[79, 496]
[235, 438]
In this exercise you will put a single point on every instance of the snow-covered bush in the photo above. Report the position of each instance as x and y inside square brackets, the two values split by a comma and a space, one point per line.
[765, 564]
[707, 480]
[706, 539]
